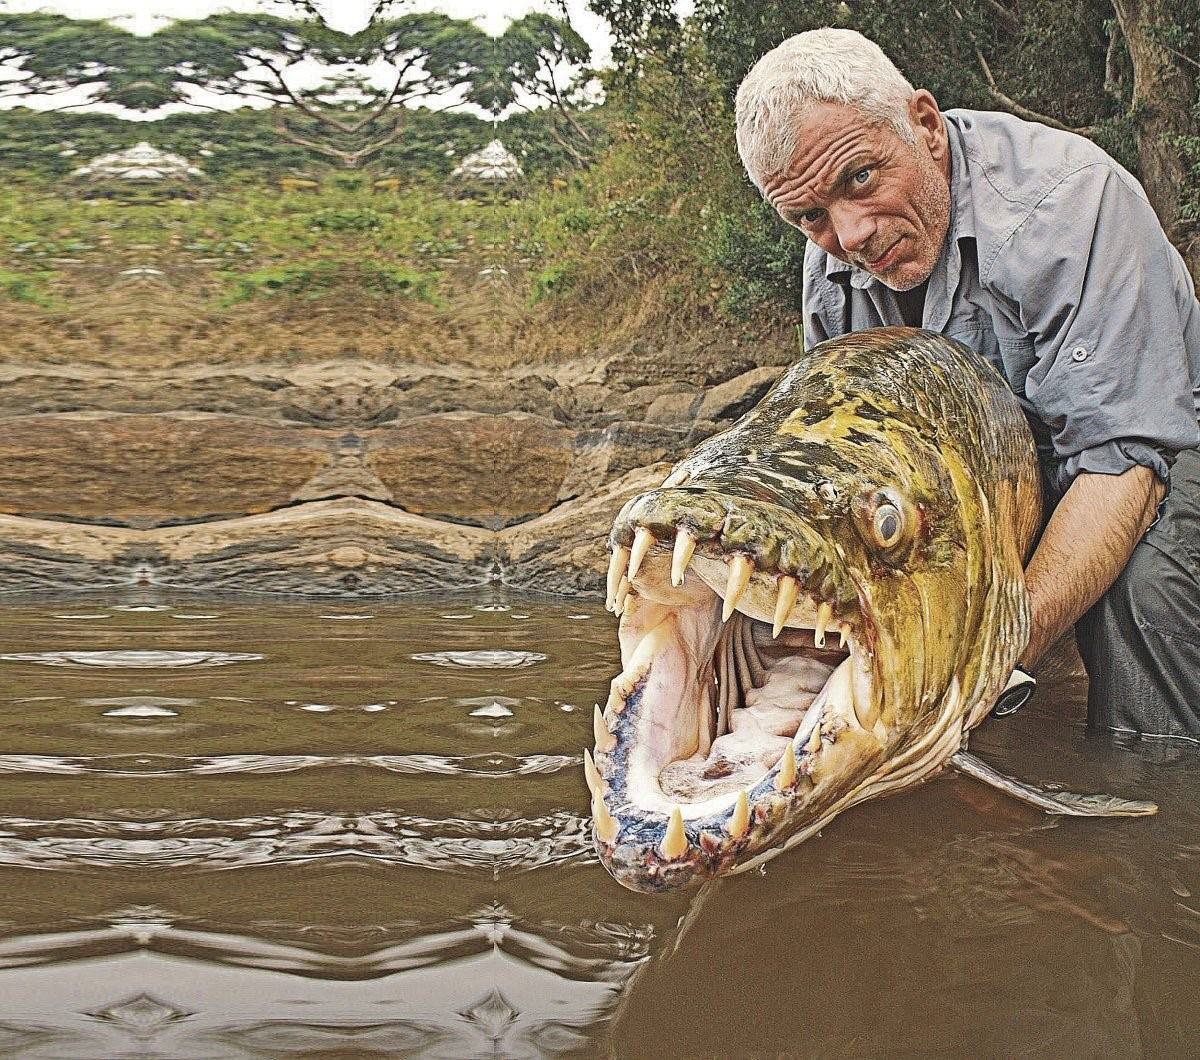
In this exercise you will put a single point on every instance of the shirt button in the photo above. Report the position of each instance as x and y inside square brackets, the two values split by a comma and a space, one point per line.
[1079, 354]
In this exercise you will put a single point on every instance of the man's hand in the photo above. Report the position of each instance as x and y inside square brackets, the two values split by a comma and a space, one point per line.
[1086, 544]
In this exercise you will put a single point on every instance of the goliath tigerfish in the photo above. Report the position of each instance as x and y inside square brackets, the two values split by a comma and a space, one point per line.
[816, 607]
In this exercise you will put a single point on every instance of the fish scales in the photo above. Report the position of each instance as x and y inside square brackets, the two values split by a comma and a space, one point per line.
[870, 518]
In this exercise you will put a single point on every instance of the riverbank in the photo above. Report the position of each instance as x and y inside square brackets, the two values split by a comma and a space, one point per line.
[162, 426]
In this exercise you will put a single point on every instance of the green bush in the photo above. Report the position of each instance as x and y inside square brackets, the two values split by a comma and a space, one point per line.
[580, 220]
[348, 219]
[384, 279]
[308, 280]
[25, 287]
[553, 280]
[763, 258]
[315, 279]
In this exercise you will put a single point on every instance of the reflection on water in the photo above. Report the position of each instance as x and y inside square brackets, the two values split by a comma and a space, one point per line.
[130, 660]
[242, 829]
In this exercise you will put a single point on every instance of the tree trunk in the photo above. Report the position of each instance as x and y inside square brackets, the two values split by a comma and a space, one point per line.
[1164, 93]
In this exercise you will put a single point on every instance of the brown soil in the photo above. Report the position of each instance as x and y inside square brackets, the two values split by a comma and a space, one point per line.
[144, 406]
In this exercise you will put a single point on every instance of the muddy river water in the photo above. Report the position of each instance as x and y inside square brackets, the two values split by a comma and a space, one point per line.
[237, 828]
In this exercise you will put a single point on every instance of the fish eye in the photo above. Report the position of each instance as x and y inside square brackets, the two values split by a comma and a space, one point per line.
[887, 524]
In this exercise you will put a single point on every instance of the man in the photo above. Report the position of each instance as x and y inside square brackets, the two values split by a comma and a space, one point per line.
[1038, 250]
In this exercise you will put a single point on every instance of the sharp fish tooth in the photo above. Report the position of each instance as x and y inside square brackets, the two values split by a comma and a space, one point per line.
[591, 774]
[740, 569]
[814, 741]
[840, 692]
[605, 740]
[867, 714]
[784, 602]
[786, 776]
[685, 545]
[740, 820]
[616, 571]
[642, 542]
[607, 825]
[622, 595]
[866, 707]
[674, 844]
[616, 697]
[824, 614]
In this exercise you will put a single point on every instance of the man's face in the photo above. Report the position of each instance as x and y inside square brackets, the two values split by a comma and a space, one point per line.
[863, 195]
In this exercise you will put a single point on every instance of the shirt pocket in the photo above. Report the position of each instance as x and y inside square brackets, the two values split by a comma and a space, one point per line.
[1017, 357]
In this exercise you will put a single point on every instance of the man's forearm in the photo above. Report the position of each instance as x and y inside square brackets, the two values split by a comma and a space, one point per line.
[1086, 544]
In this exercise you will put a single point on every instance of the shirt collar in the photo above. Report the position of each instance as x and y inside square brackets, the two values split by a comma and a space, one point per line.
[962, 220]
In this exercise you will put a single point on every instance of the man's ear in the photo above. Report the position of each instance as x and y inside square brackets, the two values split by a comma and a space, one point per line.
[928, 124]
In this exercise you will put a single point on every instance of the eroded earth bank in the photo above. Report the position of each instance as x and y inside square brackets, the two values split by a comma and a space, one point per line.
[155, 434]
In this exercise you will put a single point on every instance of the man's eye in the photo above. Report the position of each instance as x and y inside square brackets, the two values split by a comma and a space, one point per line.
[862, 176]
[811, 217]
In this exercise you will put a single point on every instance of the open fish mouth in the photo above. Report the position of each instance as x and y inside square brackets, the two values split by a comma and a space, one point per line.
[816, 606]
[747, 694]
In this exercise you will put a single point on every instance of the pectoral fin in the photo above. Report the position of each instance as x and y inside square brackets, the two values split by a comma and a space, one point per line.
[1064, 802]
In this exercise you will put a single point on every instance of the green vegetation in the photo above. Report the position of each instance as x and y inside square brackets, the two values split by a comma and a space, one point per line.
[316, 278]
[26, 286]
[257, 240]
[1072, 64]
[343, 192]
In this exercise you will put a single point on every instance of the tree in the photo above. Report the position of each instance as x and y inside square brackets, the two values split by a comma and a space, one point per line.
[1163, 41]
[47, 57]
[348, 117]
[541, 61]
[1123, 72]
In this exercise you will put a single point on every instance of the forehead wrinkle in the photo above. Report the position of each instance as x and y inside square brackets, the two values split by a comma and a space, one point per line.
[828, 163]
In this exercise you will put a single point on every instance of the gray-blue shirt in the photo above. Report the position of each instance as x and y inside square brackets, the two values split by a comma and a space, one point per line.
[1056, 269]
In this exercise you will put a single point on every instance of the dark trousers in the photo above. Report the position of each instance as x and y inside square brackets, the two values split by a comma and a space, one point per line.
[1141, 642]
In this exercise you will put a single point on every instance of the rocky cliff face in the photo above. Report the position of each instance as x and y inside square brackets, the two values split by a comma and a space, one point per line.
[337, 448]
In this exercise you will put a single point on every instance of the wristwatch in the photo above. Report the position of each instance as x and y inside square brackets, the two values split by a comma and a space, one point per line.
[1016, 694]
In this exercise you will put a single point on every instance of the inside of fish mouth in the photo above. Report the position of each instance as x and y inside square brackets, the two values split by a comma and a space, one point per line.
[747, 698]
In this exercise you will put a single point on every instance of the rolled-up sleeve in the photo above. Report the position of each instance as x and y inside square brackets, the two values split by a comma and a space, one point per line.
[1091, 274]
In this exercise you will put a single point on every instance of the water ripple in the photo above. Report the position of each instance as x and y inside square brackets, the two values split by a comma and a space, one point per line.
[133, 659]
[161, 765]
[489, 983]
[485, 659]
[458, 845]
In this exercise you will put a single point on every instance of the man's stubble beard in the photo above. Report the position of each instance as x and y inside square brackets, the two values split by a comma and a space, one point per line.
[932, 199]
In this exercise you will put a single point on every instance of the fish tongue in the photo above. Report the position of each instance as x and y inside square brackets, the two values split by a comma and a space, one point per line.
[749, 747]
[777, 718]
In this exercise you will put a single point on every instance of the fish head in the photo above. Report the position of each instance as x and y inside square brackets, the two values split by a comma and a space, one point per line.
[814, 607]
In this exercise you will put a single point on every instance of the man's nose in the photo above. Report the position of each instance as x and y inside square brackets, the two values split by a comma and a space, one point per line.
[855, 227]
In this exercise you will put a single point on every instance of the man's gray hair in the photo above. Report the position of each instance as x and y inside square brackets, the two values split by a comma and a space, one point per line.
[820, 66]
